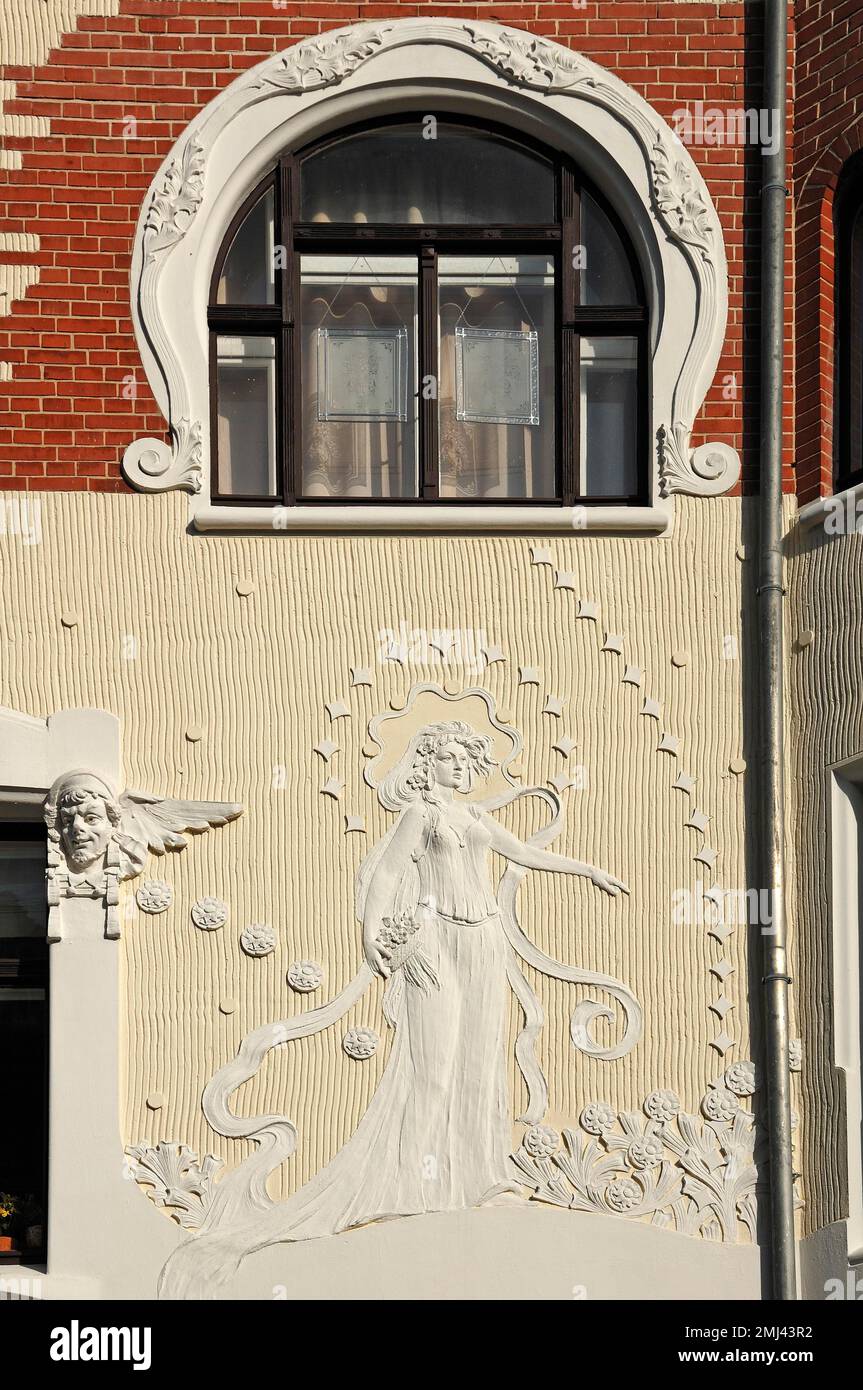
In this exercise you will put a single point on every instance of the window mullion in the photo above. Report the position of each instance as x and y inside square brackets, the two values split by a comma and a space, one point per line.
[570, 415]
[570, 214]
[428, 383]
[289, 369]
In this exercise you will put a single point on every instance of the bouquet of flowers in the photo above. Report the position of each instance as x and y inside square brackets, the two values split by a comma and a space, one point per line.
[400, 936]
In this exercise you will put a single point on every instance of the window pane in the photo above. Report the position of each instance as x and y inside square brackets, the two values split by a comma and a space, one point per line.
[22, 887]
[246, 385]
[24, 1034]
[607, 276]
[497, 376]
[609, 417]
[398, 175]
[247, 271]
[854, 348]
[358, 343]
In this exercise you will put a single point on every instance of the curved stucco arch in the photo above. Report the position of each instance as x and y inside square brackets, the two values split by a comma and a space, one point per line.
[531, 84]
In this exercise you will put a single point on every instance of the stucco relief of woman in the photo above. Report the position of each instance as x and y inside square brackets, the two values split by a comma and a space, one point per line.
[437, 1134]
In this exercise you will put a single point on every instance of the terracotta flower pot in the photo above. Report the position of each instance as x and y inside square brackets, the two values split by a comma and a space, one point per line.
[6, 1244]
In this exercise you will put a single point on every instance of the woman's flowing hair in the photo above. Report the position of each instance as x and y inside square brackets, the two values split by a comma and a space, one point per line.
[413, 774]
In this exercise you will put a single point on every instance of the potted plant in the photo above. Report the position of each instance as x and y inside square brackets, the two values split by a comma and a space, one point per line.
[8, 1217]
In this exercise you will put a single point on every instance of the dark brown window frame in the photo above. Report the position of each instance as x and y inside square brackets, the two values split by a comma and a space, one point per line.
[848, 412]
[573, 321]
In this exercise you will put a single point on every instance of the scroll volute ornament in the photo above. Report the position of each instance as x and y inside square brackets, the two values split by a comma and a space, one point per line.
[96, 839]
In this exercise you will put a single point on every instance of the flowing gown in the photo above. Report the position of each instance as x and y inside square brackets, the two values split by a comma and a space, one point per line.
[437, 1134]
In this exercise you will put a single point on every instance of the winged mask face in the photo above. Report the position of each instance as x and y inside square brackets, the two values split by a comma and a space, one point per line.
[87, 817]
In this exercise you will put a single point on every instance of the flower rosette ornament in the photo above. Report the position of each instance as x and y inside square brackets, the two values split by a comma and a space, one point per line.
[720, 1105]
[360, 1043]
[209, 914]
[622, 1195]
[258, 939]
[541, 1141]
[154, 896]
[305, 976]
[741, 1078]
[597, 1118]
[662, 1106]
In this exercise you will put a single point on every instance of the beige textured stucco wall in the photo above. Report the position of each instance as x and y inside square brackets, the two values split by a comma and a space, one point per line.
[164, 640]
[825, 727]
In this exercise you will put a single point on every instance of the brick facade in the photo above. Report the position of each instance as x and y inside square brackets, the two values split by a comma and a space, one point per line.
[118, 91]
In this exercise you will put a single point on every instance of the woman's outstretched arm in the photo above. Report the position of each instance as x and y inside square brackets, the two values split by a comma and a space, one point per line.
[531, 857]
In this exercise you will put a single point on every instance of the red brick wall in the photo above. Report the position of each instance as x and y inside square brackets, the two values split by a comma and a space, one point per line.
[829, 82]
[64, 417]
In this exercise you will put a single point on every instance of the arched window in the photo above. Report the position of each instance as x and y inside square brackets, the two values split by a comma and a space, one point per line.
[849, 327]
[427, 310]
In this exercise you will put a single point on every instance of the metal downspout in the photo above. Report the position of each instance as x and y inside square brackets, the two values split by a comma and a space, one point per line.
[770, 595]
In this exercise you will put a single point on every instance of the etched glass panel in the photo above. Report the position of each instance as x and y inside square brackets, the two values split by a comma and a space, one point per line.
[497, 377]
[358, 346]
[362, 373]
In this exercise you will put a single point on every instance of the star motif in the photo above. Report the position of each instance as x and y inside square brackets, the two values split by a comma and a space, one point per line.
[540, 555]
[613, 643]
[669, 744]
[326, 748]
[337, 709]
[587, 608]
[698, 821]
[334, 786]
[528, 675]
[561, 781]
[723, 968]
[721, 931]
[632, 675]
[492, 654]
[553, 706]
[564, 579]
[683, 783]
[722, 1043]
[564, 745]
[721, 1005]
[707, 856]
[651, 708]
[361, 675]
[355, 825]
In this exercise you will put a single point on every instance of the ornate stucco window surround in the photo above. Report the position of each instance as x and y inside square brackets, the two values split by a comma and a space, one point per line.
[507, 77]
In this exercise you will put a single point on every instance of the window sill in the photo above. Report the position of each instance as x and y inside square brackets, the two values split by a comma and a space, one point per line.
[849, 502]
[437, 517]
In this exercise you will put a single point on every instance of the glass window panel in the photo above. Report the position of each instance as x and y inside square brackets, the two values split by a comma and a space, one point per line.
[607, 277]
[248, 275]
[854, 348]
[497, 377]
[358, 340]
[609, 417]
[398, 175]
[246, 386]
[22, 888]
